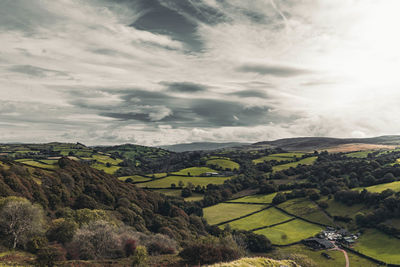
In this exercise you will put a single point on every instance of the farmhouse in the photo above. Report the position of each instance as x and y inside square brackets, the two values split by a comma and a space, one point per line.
[318, 243]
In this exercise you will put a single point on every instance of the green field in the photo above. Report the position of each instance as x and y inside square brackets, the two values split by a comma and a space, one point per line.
[157, 175]
[264, 218]
[194, 171]
[224, 164]
[306, 209]
[177, 193]
[228, 211]
[102, 167]
[337, 257]
[166, 182]
[290, 232]
[106, 159]
[379, 246]
[49, 161]
[395, 186]
[279, 157]
[23, 160]
[306, 161]
[360, 154]
[135, 178]
[339, 209]
[40, 165]
[257, 198]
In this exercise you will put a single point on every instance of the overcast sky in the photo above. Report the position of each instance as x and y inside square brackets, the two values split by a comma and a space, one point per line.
[156, 72]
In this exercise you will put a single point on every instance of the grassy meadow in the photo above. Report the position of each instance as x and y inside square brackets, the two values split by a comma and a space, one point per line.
[379, 246]
[167, 181]
[264, 218]
[227, 211]
[279, 157]
[223, 163]
[194, 171]
[290, 232]
[306, 161]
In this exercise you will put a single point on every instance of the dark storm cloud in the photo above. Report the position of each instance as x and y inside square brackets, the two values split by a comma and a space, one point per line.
[161, 19]
[185, 87]
[250, 93]
[143, 106]
[279, 71]
[36, 71]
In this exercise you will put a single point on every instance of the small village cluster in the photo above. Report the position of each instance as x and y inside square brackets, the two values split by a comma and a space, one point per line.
[330, 237]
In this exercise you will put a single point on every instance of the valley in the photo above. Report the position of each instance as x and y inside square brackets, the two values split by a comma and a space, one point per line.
[284, 196]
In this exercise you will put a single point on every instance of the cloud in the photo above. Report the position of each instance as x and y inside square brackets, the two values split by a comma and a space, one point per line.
[279, 71]
[169, 71]
[36, 71]
[185, 87]
[250, 93]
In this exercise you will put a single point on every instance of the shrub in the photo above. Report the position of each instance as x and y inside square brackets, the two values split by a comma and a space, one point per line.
[130, 247]
[140, 257]
[200, 253]
[279, 198]
[62, 230]
[36, 243]
[49, 255]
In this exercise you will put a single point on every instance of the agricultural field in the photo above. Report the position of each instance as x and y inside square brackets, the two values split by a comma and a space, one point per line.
[359, 154]
[194, 171]
[395, 186]
[177, 193]
[336, 208]
[279, 157]
[223, 163]
[135, 178]
[106, 159]
[379, 246]
[158, 175]
[395, 223]
[101, 167]
[264, 218]
[306, 209]
[227, 211]
[337, 257]
[290, 232]
[167, 181]
[267, 199]
[40, 165]
[306, 161]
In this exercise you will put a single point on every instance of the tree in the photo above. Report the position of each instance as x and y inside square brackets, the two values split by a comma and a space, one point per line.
[279, 198]
[19, 220]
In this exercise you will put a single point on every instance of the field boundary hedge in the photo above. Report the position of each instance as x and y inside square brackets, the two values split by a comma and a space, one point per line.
[272, 225]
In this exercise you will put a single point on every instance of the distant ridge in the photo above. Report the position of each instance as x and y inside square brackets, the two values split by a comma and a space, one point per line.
[317, 143]
[197, 146]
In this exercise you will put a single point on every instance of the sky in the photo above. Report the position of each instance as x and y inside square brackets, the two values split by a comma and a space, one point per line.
[157, 72]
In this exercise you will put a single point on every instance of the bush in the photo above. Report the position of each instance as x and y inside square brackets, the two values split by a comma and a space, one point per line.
[130, 247]
[279, 198]
[62, 231]
[140, 257]
[36, 243]
[208, 253]
[49, 255]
